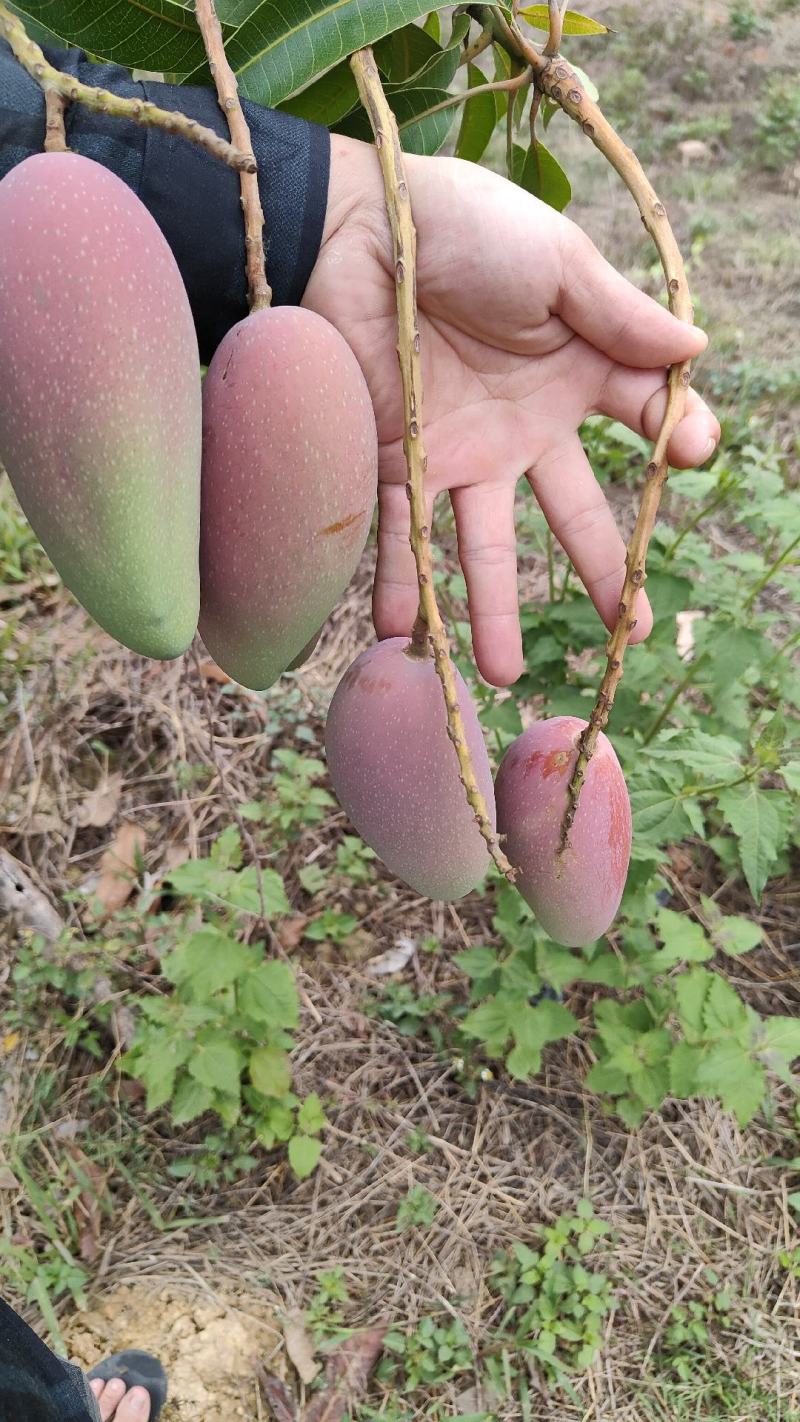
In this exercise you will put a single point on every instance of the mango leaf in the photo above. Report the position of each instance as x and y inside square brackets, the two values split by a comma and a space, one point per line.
[418, 134]
[480, 118]
[401, 55]
[279, 48]
[540, 173]
[161, 35]
[574, 24]
[759, 819]
[328, 101]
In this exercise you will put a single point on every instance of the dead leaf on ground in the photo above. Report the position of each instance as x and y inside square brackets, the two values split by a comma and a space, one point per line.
[22, 901]
[118, 869]
[211, 672]
[291, 931]
[282, 1405]
[300, 1347]
[86, 1207]
[100, 805]
[346, 1375]
[8, 1180]
[394, 960]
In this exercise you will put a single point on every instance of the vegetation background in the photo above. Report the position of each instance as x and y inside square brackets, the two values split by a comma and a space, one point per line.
[569, 1184]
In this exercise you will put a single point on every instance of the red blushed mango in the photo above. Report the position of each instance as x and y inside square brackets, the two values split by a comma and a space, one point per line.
[575, 896]
[100, 412]
[290, 468]
[396, 773]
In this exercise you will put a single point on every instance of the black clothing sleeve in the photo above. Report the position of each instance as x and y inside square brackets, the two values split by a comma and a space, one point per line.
[193, 197]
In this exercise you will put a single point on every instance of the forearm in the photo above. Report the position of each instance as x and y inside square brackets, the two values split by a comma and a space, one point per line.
[193, 197]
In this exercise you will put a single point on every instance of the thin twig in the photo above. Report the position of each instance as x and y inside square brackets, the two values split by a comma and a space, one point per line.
[55, 134]
[497, 86]
[259, 291]
[404, 240]
[555, 78]
[472, 51]
[51, 80]
[557, 10]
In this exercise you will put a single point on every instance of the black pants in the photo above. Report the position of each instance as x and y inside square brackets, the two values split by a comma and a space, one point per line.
[35, 1385]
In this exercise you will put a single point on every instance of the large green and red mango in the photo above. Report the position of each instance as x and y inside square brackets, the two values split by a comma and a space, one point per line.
[290, 464]
[100, 409]
[575, 895]
[396, 773]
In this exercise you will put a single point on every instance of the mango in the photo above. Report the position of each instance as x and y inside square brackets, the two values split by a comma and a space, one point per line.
[575, 896]
[396, 773]
[290, 466]
[100, 408]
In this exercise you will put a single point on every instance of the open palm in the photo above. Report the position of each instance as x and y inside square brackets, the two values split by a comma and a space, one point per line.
[525, 331]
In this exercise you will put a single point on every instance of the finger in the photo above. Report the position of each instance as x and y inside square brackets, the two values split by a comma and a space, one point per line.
[613, 315]
[577, 511]
[395, 596]
[487, 551]
[111, 1396]
[639, 398]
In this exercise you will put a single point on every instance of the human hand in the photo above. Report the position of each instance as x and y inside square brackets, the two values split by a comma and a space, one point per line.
[525, 331]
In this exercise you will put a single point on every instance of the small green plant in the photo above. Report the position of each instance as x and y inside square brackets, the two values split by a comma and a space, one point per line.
[418, 1210]
[744, 22]
[324, 1315]
[296, 801]
[556, 1305]
[778, 123]
[432, 1354]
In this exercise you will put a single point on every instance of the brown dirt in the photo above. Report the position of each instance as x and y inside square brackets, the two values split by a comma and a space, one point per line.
[206, 1340]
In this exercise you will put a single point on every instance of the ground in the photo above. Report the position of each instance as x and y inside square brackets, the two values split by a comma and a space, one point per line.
[207, 1267]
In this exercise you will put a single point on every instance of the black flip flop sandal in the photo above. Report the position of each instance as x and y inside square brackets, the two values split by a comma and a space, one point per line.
[136, 1369]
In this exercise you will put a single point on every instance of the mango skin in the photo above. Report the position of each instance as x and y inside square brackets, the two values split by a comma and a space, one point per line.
[100, 407]
[574, 897]
[290, 468]
[396, 774]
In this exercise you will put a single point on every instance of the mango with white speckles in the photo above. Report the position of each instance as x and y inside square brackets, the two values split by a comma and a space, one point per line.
[100, 407]
[290, 468]
[396, 773]
[575, 895]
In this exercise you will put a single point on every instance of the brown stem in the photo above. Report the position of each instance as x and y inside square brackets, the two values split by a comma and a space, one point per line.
[51, 80]
[259, 290]
[555, 78]
[404, 241]
[557, 9]
[472, 51]
[55, 134]
[497, 86]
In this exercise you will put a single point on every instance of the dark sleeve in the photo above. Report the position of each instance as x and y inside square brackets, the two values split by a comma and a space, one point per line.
[193, 197]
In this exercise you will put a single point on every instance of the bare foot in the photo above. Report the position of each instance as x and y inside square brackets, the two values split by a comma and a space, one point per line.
[114, 1400]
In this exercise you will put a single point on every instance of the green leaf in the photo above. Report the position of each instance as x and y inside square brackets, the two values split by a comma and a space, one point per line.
[480, 118]
[304, 1154]
[161, 36]
[733, 935]
[280, 47]
[717, 757]
[683, 939]
[724, 1013]
[730, 1072]
[268, 994]
[539, 172]
[311, 1117]
[759, 819]
[659, 814]
[401, 55]
[191, 1100]
[155, 1063]
[492, 1021]
[791, 774]
[684, 1063]
[216, 1062]
[782, 1035]
[327, 101]
[270, 1071]
[574, 24]
[532, 1028]
[691, 994]
[207, 962]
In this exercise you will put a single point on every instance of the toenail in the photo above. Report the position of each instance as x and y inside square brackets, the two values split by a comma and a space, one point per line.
[138, 1400]
[116, 1386]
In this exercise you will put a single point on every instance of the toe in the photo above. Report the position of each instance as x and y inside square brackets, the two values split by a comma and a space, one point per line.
[135, 1407]
[110, 1398]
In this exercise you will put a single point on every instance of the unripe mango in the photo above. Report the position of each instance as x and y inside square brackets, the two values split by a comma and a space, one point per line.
[290, 465]
[396, 773]
[575, 896]
[100, 411]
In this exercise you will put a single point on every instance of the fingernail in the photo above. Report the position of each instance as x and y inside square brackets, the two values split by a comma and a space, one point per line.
[709, 450]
